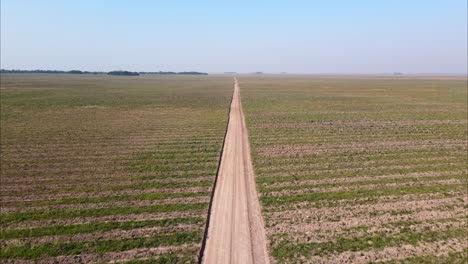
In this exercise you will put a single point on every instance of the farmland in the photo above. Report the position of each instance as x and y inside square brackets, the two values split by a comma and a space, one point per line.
[358, 169]
[98, 168]
[349, 169]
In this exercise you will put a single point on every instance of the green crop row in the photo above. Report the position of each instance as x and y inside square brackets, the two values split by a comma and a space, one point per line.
[419, 179]
[96, 212]
[30, 251]
[286, 250]
[9, 233]
[272, 201]
[109, 198]
[326, 174]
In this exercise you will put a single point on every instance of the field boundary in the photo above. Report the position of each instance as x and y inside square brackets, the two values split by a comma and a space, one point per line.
[207, 225]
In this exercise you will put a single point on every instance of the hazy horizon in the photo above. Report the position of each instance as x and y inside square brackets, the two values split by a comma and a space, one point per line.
[336, 37]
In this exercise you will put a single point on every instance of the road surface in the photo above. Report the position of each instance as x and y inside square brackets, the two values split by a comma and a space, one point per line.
[235, 233]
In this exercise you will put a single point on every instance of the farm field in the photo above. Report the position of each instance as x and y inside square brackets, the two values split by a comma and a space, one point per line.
[360, 169]
[97, 168]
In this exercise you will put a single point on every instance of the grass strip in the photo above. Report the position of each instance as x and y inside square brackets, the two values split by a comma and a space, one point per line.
[112, 178]
[356, 194]
[419, 179]
[286, 250]
[166, 259]
[338, 166]
[33, 251]
[95, 227]
[460, 257]
[150, 155]
[369, 154]
[172, 176]
[349, 174]
[375, 200]
[187, 152]
[171, 185]
[350, 158]
[97, 212]
[364, 139]
[111, 198]
[405, 225]
[156, 168]
[170, 162]
[186, 256]
[42, 189]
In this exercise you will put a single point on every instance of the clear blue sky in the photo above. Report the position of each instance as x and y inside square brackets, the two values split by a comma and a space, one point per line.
[326, 36]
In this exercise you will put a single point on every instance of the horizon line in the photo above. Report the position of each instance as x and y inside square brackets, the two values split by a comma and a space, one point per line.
[396, 73]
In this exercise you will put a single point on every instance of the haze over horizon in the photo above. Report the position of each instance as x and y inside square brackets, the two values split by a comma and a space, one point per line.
[362, 37]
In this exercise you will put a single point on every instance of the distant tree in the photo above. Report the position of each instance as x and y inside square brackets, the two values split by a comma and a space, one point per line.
[123, 73]
[170, 73]
[193, 73]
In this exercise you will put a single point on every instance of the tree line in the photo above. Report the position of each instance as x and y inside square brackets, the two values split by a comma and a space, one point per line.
[50, 71]
[123, 73]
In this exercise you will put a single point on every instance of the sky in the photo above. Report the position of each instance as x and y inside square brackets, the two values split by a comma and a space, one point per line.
[311, 36]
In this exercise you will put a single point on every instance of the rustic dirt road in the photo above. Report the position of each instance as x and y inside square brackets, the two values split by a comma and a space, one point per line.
[236, 233]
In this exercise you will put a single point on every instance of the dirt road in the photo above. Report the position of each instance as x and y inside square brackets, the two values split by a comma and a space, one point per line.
[236, 233]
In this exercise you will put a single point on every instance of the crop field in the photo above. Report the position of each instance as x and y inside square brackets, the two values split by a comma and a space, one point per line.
[350, 169]
[97, 168]
[360, 169]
